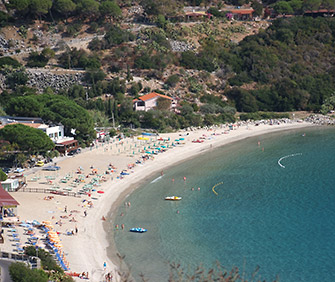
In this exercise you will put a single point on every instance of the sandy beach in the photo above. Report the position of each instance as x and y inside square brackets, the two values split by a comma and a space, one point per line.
[86, 250]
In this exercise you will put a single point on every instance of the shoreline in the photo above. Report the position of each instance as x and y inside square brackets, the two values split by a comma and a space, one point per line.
[131, 187]
[89, 249]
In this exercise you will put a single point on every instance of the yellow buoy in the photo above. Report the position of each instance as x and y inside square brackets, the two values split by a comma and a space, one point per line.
[213, 189]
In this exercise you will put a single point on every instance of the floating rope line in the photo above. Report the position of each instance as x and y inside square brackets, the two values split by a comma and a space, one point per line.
[288, 156]
[213, 189]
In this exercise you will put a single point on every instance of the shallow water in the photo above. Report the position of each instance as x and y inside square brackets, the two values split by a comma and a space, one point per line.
[278, 216]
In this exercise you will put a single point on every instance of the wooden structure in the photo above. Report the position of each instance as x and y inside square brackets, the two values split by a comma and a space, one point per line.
[7, 203]
[66, 147]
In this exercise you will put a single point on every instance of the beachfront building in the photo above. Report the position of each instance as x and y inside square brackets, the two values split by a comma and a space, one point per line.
[65, 147]
[149, 101]
[55, 132]
[8, 205]
[10, 185]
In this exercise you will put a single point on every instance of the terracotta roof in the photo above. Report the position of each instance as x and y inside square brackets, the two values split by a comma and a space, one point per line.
[67, 142]
[153, 95]
[6, 199]
[196, 13]
[242, 11]
[34, 125]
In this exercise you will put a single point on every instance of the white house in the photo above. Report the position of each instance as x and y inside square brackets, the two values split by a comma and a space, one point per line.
[149, 101]
[55, 132]
[10, 185]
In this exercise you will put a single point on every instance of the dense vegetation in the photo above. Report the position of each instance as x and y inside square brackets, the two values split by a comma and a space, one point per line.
[19, 272]
[26, 138]
[292, 63]
[288, 66]
[53, 108]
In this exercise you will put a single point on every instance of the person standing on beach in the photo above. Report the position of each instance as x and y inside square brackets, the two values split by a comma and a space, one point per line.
[65, 209]
[105, 265]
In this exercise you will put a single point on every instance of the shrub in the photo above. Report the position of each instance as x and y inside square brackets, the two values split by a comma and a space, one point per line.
[19, 272]
[172, 80]
[37, 60]
[3, 176]
[8, 61]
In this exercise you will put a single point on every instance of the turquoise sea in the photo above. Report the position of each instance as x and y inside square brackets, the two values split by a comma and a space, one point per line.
[279, 217]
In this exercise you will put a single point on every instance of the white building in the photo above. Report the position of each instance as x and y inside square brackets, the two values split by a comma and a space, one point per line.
[55, 132]
[149, 101]
[10, 185]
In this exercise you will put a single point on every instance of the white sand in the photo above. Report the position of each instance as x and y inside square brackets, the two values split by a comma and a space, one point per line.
[87, 251]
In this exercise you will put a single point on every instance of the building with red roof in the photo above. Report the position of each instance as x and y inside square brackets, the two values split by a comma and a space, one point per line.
[7, 203]
[149, 101]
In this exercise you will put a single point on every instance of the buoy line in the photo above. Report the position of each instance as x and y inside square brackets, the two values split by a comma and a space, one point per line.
[288, 156]
[213, 189]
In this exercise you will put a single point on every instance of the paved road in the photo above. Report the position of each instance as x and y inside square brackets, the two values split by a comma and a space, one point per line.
[4, 265]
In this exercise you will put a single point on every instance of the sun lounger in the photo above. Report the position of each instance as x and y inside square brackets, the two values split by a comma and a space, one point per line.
[19, 250]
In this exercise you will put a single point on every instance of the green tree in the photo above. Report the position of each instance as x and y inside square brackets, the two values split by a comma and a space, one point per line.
[258, 8]
[161, 21]
[55, 108]
[328, 105]
[27, 138]
[39, 7]
[328, 4]
[283, 7]
[24, 106]
[3, 176]
[163, 7]
[296, 6]
[20, 5]
[48, 53]
[19, 272]
[16, 78]
[311, 5]
[8, 61]
[64, 7]
[110, 9]
[37, 60]
[163, 104]
[172, 80]
[88, 8]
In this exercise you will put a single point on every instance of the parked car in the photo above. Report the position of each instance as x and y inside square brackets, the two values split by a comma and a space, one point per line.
[6, 169]
[19, 170]
[40, 163]
[74, 152]
[51, 167]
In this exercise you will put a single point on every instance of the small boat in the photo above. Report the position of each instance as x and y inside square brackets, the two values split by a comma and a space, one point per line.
[138, 230]
[173, 198]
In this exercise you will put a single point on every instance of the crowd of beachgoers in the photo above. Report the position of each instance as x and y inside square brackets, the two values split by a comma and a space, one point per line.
[72, 227]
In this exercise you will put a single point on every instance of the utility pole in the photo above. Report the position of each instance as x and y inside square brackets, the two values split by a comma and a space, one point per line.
[113, 120]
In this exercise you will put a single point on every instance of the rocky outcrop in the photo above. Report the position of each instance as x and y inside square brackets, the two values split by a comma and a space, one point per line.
[180, 46]
[41, 79]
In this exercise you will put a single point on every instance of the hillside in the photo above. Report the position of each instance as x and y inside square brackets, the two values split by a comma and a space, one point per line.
[212, 65]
